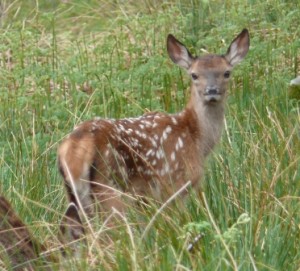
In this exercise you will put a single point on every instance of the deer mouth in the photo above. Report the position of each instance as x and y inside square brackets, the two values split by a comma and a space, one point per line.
[212, 98]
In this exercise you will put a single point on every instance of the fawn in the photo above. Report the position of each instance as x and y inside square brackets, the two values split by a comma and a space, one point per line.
[20, 251]
[157, 153]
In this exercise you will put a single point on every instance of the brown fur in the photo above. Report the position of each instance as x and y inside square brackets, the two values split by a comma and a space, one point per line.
[16, 242]
[157, 153]
[19, 250]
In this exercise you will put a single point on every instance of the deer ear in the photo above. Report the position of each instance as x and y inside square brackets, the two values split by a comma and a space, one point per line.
[178, 52]
[72, 230]
[238, 48]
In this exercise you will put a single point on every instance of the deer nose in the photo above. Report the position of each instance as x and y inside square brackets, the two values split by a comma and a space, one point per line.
[212, 91]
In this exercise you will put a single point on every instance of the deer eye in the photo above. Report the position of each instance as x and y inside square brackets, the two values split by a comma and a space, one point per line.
[194, 76]
[227, 74]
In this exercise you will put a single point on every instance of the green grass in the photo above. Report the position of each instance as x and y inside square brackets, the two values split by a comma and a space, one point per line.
[75, 60]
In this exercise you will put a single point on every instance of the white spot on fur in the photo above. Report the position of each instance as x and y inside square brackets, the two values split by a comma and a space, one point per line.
[159, 153]
[179, 144]
[165, 133]
[121, 127]
[162, 172]
[168, 129]
[148, 172]
[153, 142]
[173, 156]
[134, 142]
[174, 120]
[164, 137]
[167, 167]
[149, 152]
[142, 135]
[148, 124]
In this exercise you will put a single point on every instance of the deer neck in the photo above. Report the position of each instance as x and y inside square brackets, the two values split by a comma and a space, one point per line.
[210, 119]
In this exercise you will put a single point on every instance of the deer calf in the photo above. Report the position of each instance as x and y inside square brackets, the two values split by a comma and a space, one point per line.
[157, 153]
[20, 251]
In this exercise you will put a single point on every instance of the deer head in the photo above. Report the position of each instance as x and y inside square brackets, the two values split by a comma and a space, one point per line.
[210, 74]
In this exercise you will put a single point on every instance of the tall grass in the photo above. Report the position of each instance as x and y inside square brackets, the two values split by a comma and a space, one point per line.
[71, 60]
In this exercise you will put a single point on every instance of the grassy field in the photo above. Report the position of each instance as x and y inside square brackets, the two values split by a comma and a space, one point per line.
[63, 62]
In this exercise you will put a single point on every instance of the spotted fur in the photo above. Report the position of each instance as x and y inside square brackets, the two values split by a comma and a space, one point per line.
[157, 153]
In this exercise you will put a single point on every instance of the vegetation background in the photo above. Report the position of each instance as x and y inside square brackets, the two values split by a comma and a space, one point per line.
[63, 62]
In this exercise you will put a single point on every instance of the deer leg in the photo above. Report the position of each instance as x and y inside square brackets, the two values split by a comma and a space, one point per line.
[109, 181]
[78, 185]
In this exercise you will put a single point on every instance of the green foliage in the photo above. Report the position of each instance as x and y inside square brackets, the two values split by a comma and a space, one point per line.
[63, 62]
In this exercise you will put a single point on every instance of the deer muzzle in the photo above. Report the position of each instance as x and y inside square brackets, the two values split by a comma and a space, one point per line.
[212, 94]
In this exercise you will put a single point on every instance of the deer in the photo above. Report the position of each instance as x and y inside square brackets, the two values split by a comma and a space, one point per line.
[153, 155]
[20, 251]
